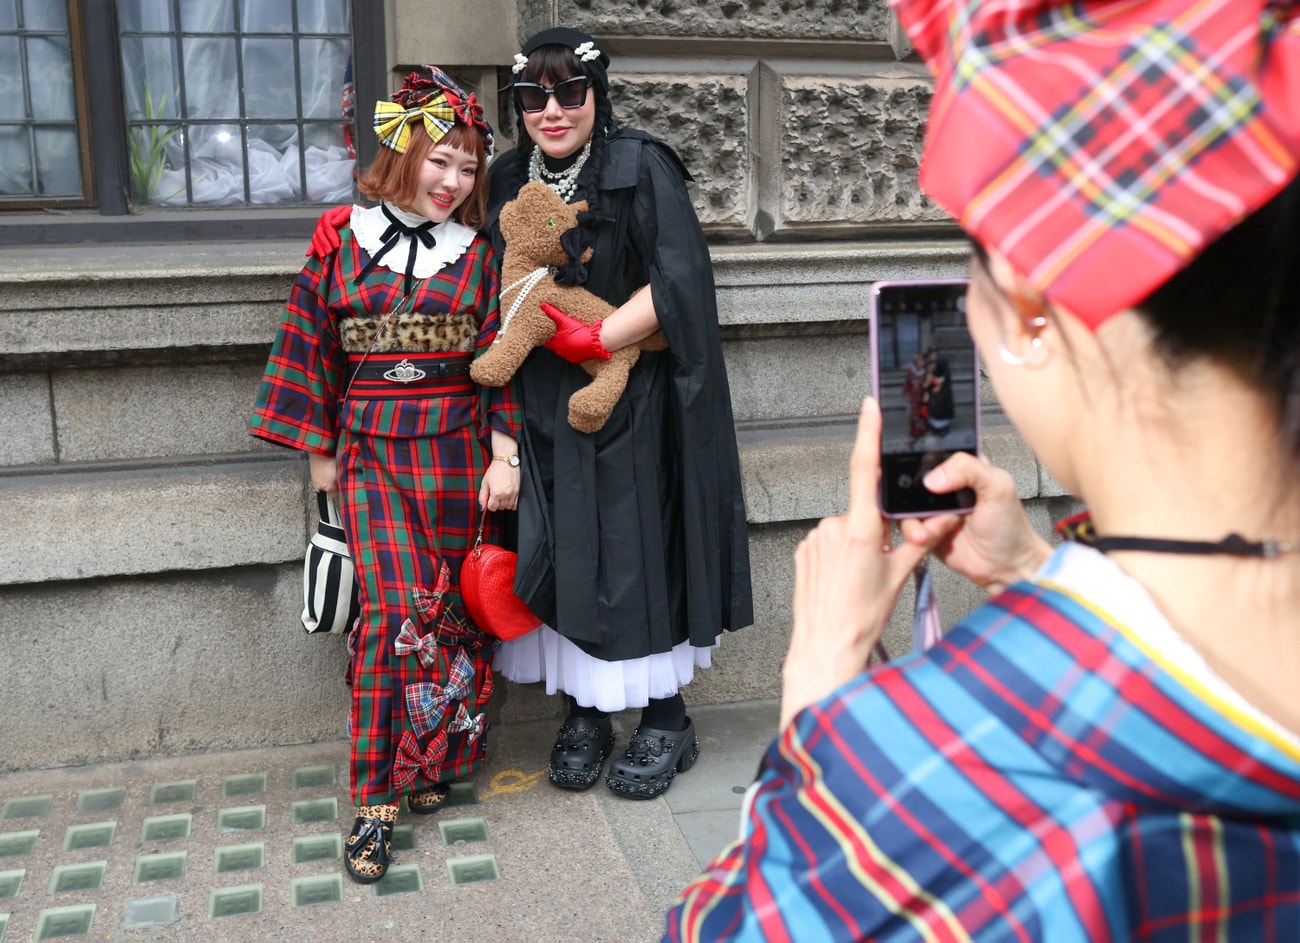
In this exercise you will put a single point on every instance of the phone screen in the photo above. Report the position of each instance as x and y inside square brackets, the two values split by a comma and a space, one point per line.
[925, 375]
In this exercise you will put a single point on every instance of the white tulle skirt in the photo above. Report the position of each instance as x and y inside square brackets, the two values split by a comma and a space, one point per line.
[545, 655]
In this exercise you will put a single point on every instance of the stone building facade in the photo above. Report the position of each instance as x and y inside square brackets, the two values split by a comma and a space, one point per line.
[150, 575]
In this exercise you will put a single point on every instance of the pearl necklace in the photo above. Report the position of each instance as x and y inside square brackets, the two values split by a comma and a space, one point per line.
[565, 182]
[529, 282]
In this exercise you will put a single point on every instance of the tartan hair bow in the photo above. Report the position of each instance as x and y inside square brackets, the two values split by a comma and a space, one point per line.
[434, 101]
[467, 109]
[393, 122]
[1100, 145]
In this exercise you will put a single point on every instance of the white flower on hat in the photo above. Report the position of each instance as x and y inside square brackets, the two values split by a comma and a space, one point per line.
[520, 62]
[586, 52]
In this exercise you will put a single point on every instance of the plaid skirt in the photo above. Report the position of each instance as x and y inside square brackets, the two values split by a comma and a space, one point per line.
[419, 670]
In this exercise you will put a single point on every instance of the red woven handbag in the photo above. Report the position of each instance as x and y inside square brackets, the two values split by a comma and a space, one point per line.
[487, 586]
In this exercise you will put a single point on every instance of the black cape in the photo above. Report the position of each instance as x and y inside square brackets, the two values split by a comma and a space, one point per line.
[633, 539]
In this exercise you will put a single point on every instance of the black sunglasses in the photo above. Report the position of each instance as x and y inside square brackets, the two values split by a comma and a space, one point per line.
[571, 93]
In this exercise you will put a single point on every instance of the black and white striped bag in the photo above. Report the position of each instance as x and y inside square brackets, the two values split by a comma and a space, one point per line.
[329, 585]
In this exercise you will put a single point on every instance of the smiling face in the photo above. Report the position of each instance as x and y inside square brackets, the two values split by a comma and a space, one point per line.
[560, 131]
[447, 177]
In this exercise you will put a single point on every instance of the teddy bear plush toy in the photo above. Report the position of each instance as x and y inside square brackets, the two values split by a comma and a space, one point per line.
[532, 224]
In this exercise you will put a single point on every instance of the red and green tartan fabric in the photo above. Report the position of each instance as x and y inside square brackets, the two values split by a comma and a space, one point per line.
[409, 472]
[1100, 145]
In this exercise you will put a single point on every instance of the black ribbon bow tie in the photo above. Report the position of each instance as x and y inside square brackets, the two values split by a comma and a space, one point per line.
[392, 236]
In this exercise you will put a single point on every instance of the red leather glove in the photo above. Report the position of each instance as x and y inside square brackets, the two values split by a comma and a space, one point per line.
[573, 340]
[325, 238]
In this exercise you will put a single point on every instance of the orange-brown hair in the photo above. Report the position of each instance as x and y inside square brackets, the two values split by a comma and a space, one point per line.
[395, 177]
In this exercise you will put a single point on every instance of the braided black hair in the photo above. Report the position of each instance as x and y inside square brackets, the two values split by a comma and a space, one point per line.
[556, 62]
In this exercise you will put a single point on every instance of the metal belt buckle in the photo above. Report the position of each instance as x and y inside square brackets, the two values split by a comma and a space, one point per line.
[405, 372]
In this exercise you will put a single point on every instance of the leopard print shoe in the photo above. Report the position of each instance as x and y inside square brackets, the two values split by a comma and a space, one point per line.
[369, 848]
[429, 801]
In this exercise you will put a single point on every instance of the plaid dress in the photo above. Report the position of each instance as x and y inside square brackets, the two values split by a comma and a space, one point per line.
[1045, 772]
[409, 473]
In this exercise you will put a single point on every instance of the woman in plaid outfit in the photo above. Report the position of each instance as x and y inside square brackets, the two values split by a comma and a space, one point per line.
[1109, 748]
[370, 376]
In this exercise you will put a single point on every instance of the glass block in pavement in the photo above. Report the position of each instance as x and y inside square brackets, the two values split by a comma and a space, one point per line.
[241, 818]
[101, 800]
[317, 848]
[306, 776]
[400, 879]
[307, 811]
[238, 857]
[11, 883]
[92, 835]
[65, 921]
[403, 837]
[246, 784]
[166, 827]
[473, 868]
[229, 901]
[463, 830]
[77, 877]
[150, 868]
[462, 794]
[26, 807]
[13, 844]
[316, 889]
[182, 790]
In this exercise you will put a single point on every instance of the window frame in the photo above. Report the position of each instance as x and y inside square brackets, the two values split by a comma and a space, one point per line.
[81, 119]
[108, 213]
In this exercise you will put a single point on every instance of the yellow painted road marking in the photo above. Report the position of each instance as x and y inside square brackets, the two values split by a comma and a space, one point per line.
[510, 781]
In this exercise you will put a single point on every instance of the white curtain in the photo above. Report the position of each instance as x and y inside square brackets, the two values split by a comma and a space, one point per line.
[218, 154]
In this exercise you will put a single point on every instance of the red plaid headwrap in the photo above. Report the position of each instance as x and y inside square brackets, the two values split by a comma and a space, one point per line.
[1100, 145]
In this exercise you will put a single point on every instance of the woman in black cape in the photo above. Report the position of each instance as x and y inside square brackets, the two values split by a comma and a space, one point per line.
[632, 540]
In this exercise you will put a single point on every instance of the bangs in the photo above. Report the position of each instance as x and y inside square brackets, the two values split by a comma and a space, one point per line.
[556, 63]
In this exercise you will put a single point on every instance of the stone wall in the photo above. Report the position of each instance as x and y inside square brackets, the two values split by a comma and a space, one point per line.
[797, 120]
[827, 20]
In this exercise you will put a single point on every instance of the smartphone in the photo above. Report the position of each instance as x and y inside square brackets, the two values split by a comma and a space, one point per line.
[925, 376]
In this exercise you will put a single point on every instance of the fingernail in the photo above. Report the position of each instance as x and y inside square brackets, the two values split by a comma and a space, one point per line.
[935, 479]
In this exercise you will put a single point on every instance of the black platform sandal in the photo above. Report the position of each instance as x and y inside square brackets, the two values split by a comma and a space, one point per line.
[369, 848]
[653, 758]
[580, 750]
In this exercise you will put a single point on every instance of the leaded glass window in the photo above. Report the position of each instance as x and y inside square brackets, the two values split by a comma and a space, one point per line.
[41, 157]
[237, 101]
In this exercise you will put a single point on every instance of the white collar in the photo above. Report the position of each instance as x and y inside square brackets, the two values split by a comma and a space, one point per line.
[451, 239]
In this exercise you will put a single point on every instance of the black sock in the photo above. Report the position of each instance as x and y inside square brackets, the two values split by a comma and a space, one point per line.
[577, 710]
[668, 713]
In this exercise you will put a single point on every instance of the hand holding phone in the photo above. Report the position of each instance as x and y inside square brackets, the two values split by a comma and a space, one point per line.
[925, 376]
[846, 583]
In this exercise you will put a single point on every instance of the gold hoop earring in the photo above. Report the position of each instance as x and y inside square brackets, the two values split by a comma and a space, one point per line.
[1036, 348]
